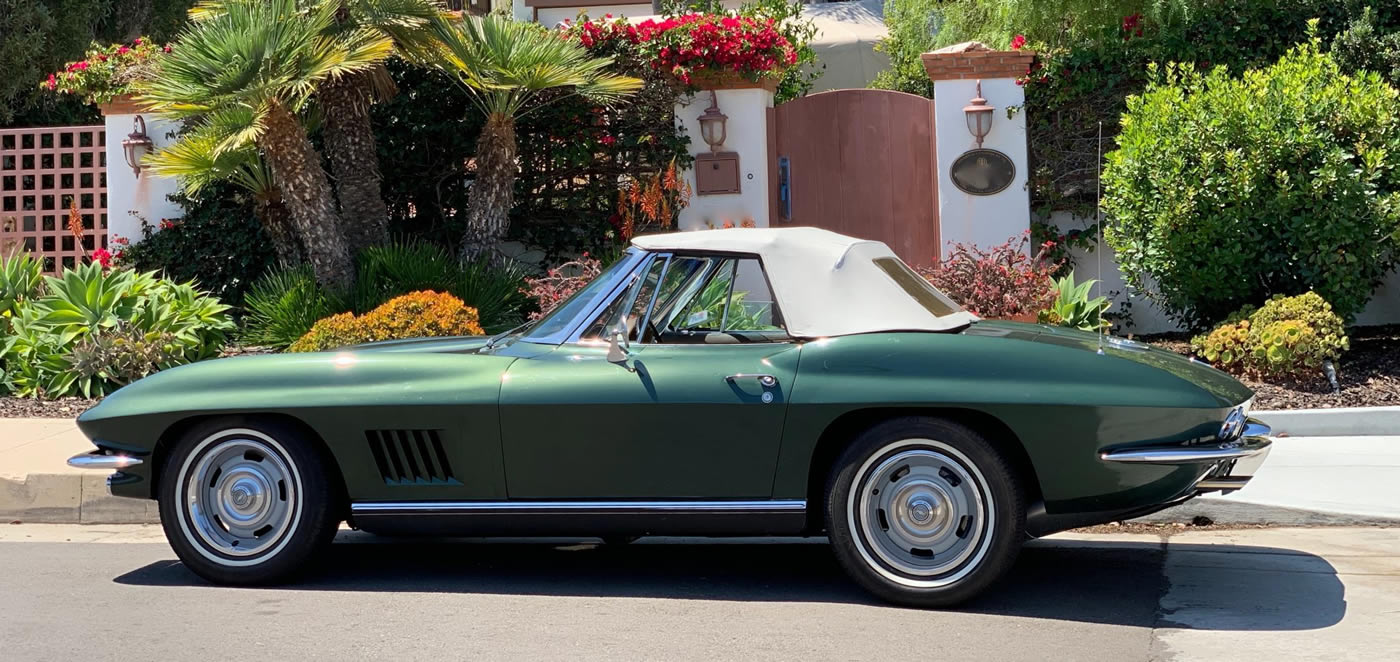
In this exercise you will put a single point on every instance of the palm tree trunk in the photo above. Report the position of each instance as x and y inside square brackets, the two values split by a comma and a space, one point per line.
[276, 222]
[296, 167]
[493, 190]
[354, 160]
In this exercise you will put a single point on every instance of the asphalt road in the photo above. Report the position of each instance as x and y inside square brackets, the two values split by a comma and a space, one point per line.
[79, 593]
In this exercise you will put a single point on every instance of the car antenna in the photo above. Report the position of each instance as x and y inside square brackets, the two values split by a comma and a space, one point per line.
[1098, 216]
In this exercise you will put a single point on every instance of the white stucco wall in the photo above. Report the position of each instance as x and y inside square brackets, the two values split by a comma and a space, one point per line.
[747, 129]
[1384, 307]
[972, 219]
[146, 195]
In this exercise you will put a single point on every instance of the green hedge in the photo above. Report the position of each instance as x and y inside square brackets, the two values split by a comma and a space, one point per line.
[1227, 190]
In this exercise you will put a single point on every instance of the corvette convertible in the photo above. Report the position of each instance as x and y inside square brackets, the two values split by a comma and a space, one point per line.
[783, 382]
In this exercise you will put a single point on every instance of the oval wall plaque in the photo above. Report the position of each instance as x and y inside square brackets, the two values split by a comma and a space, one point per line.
[982, 172]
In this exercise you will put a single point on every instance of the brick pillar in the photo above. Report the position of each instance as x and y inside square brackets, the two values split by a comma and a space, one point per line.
[984, 220]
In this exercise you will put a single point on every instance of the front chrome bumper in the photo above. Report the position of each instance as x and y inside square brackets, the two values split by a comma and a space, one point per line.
[101, 460]
[1232, 463]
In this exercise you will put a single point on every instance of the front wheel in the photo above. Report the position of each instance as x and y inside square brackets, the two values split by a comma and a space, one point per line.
[924, 512]
[246, 503]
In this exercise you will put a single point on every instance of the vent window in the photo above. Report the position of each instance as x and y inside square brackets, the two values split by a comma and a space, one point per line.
[410, 457]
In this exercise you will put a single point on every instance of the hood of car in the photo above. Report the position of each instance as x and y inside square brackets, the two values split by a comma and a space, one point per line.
[1217, 383]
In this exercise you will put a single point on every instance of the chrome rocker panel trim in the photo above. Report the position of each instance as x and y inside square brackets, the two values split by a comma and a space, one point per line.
[582, 518]
[486, 507]
[100, 460]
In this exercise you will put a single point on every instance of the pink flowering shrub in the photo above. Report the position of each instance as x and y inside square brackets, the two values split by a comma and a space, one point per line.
[560, 283]
[106, 72]
[999, 282]
[697, 45]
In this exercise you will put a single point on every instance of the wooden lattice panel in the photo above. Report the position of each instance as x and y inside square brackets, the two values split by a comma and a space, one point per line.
[42, 172]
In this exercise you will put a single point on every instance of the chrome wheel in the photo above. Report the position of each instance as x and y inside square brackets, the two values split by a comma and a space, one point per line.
[241, 497]
[921, 513]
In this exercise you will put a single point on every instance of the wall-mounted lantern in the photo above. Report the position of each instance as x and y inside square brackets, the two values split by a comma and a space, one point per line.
[979, 116]
[136, 145]
[712, 128]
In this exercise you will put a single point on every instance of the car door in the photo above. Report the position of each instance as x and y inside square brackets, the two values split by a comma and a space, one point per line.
[696, 411]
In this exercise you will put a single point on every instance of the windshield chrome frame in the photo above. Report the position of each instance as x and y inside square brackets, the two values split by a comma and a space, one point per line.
[610, 290]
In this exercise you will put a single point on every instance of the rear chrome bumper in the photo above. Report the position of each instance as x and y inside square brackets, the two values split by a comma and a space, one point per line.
[102, 460]
[1233, 462]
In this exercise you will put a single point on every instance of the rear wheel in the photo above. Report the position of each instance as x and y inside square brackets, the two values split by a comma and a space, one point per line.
[924, 512]
[246, 503]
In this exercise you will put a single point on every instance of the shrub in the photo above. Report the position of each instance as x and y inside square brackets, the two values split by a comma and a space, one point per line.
[1288, 337]
[106, 71]
[413, 315]
[217, 242]
[94, 330]
[1000, 282]
[283, 305]
[1225, 191]
[1073, 308]
[560, 283]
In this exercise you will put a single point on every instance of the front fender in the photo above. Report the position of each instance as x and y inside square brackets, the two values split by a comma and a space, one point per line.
[338, 395]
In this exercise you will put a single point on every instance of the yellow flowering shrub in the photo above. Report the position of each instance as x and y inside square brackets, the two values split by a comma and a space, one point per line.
[1286, 337]
[413, 315]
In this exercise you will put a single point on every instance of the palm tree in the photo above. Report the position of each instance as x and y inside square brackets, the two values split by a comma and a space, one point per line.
[197, 162]
[244, 75]
[504, 65]
[344, 102]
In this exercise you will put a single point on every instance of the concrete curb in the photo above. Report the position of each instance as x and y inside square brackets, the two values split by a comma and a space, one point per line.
[70, 498]
[1341, 422]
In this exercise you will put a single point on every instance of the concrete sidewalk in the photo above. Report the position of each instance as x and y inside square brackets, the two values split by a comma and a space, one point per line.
[37, 485]
[1354, 476]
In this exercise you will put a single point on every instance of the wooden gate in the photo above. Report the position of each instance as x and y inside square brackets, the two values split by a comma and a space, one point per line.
[858, 162]
[44, 174]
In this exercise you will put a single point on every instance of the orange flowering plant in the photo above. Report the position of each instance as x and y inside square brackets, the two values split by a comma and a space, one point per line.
[650, 202]
[413, 315]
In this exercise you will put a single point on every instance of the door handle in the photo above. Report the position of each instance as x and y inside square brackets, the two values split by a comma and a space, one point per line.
[765, 380]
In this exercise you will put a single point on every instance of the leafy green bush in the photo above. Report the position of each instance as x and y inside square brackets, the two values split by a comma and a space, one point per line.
[284, 305]
[413, 315]
[93, 330]
[1227, 190]
[217, 242]
[1288, 337]
[1073, 308]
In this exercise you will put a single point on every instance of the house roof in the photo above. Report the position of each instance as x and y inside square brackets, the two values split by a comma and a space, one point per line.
[829, 284]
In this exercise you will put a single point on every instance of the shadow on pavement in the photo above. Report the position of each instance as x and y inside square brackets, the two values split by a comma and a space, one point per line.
[1118, 583]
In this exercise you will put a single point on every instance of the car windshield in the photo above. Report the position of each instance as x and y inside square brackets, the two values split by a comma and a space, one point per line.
[558, 319]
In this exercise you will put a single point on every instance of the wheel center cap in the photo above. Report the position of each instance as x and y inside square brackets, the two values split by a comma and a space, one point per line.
[921, 510]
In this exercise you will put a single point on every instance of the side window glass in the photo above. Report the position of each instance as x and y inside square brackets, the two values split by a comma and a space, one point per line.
[636, 298]
[735, 297]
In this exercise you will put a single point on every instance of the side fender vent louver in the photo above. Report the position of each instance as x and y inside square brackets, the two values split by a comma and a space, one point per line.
[410, 457]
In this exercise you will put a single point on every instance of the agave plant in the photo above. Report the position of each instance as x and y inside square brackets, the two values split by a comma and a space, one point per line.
[504, 66]
[21, 279]
[1073, 308]
[243, 74]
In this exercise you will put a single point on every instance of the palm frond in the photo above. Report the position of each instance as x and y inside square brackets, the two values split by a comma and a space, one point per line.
[507, 63]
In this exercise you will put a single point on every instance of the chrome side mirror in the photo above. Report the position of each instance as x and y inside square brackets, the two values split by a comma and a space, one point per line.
[618, 348]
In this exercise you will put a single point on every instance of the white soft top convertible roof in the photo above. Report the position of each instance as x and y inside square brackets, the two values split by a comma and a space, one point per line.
[826, 284]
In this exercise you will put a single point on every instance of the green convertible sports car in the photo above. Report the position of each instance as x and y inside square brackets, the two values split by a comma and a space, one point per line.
[789, 382]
